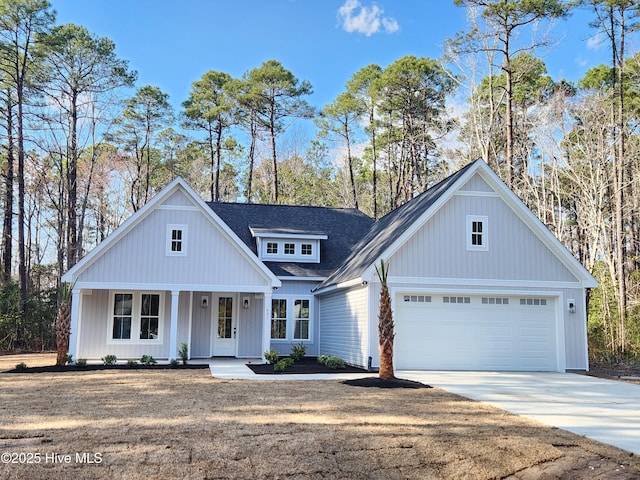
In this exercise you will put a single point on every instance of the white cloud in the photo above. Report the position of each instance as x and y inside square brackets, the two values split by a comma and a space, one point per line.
[596, 41]
[355, 17]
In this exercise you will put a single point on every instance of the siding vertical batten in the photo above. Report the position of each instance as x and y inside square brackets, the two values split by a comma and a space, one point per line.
[173, 331]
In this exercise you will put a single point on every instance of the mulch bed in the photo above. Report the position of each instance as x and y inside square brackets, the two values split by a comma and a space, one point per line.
[378, 382]
[309, 365]
[305, 366]
[92, 368]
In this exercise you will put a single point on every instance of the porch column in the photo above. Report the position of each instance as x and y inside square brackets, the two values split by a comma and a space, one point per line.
[75, 314]
[173, 329]
[266, 325]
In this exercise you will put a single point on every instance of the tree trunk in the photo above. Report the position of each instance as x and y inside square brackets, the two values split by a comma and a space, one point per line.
[386, 333]
[7, 228]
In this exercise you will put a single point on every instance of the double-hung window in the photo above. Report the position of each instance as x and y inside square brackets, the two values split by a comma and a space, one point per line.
[291, 318]
[136, 317]
[301, 319]
[278, 319]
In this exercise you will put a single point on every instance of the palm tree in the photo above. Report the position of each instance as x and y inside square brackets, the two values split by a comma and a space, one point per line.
[385, 326]
[63, 325]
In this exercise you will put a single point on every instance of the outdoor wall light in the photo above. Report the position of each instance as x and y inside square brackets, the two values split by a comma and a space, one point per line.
[571, 305]
[204, 301]
[245, 302]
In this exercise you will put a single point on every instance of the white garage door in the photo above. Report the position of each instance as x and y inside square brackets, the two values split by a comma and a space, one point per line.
[467, 332]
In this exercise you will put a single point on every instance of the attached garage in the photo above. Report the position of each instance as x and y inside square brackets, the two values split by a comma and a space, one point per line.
[453, 331]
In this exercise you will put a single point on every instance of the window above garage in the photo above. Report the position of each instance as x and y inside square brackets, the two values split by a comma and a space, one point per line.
[477, 233]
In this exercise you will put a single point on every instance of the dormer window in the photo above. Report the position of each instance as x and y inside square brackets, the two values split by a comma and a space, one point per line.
[287, 245]
[272, 248]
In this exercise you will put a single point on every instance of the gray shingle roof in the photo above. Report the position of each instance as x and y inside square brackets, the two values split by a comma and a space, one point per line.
[343, 226]
[387, 230]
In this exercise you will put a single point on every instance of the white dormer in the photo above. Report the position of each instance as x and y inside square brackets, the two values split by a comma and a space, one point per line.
[287, 245]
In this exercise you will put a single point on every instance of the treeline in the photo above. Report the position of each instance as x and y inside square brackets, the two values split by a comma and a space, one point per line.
[84, 147]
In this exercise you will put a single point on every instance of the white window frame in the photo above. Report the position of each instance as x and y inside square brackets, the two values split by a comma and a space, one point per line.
[135, 319]
[183, 242]
[484, 247]
[291, 299]
[282, 255]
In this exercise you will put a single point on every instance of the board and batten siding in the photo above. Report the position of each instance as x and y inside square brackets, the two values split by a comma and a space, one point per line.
[344, 329]
[95, 337]
[439, 249]
[139, 256]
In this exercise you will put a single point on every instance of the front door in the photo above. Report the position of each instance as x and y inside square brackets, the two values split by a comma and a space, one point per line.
[224, 327]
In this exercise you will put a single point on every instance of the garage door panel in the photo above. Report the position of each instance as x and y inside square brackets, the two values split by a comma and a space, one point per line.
[507, 334]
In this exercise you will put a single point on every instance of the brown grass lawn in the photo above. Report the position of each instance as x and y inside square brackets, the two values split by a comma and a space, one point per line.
[185, 424]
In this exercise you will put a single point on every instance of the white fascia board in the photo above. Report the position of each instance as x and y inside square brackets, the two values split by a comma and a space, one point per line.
[72, 274]
[369, 273]
[213, 216]
[538, 228]
[292, 236]
[302, 279]
[348, 284]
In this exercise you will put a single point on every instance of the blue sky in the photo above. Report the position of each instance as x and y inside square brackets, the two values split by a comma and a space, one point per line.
[171, 43]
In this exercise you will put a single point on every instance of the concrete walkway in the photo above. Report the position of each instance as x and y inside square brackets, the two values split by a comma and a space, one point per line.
[605, 410]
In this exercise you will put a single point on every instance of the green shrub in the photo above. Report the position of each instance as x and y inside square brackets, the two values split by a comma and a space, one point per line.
[68, 359]
[109, 359]
[81, 362]
[132, 363]
[331, 361]
[298, 351]
[174, 362]
[148, 360]
[271, 356]
[322, 359]
[335, 362]
[183, 353]
[283, 364]
[21, 366]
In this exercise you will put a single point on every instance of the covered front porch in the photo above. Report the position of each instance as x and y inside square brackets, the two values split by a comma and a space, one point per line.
[131, 322]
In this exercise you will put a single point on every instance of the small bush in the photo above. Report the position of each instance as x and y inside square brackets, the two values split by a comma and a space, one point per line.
[271, 356]
[322, 359]
[148, 360]
[335, 362]
[109, 359]
[298, 351]
[283, 364]
[68, 359]
[331, 361]
[174, 363]
[81, 362]
[183, 353]
[21, 366]
[132, 363]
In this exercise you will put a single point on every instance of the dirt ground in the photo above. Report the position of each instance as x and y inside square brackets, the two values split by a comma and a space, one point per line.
[185, 424]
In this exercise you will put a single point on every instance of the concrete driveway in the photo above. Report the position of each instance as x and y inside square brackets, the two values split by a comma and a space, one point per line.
[605, 410]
